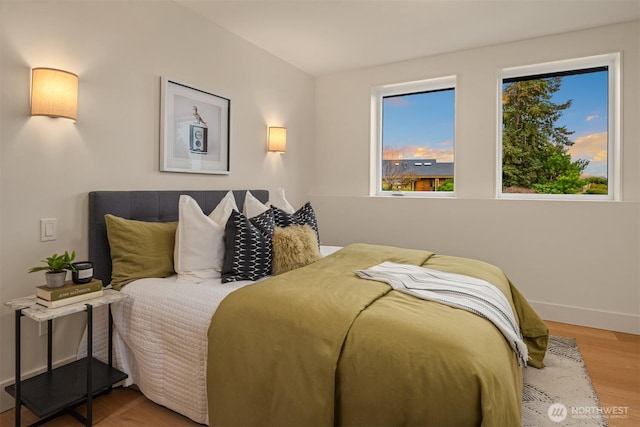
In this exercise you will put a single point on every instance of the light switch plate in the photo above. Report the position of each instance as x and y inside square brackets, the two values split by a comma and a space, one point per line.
[48, 229]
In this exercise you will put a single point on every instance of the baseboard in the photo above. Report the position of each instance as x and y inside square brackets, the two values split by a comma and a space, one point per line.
[600, 319]
[6, 401]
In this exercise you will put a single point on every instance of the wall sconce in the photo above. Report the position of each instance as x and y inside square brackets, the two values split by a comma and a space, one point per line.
[54, 93]
[277, 141]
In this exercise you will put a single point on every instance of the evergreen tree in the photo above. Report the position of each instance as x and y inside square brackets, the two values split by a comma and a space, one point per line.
[534, 148]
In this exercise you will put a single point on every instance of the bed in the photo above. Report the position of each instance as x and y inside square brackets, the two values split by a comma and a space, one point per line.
[316, 345]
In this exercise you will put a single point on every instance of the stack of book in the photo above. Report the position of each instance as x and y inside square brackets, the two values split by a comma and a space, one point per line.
[68, 294]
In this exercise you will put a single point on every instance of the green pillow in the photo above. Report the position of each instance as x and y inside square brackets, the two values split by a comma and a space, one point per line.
[139, 249]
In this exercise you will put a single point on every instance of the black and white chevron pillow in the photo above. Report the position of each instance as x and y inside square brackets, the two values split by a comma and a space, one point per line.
[248, 246]
[303, 216]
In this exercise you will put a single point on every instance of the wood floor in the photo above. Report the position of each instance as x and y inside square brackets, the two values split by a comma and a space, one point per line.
[613, 362]
[612, 359]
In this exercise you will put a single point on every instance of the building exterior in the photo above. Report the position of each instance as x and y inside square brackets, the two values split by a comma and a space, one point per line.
[415, 174]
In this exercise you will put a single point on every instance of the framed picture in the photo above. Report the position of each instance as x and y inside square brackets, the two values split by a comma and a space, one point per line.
[194, 137]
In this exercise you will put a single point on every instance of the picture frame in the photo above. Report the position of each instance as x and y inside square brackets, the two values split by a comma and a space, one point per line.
[194, 136]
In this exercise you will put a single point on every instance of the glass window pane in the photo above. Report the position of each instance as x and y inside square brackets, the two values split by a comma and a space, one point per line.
[555, 134]
[418, 141]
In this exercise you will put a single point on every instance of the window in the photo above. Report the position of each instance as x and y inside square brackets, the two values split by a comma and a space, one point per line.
[413, 137]
[558, 130]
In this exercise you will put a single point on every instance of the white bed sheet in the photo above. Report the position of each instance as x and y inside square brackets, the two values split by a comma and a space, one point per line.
[160, 338]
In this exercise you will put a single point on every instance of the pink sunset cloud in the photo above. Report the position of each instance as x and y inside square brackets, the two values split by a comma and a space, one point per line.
[592, 147]
[442, 153]
[398, 101]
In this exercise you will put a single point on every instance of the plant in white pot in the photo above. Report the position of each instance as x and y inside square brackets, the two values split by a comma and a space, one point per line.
[56, 268]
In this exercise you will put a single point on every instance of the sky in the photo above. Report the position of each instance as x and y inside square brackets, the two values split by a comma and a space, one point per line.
[587, 117]
[422, 125]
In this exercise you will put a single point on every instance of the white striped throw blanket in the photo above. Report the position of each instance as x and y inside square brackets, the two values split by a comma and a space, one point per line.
[456, 290]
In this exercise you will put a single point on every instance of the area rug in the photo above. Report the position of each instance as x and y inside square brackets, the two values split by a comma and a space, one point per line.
[561, 394]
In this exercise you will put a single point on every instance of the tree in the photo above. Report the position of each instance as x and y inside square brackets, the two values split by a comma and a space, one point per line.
[597, 185]
[534, 149]
[395, 176]
[447, 185]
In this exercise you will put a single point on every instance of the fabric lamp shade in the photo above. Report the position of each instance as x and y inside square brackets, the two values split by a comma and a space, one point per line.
[54, 93]
[277, 139]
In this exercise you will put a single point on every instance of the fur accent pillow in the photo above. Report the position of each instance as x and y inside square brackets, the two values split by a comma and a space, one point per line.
[303, 216]
[293, 247]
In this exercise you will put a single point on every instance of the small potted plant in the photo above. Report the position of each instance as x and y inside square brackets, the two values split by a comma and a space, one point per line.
[56, 268]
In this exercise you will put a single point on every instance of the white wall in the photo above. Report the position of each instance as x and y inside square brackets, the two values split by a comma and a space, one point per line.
[578, 262]
[120, 50]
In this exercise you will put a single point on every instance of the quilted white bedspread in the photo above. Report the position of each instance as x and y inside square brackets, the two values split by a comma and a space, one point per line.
[160, 339]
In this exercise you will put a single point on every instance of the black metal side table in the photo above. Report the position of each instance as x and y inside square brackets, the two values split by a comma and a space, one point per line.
[61, 390]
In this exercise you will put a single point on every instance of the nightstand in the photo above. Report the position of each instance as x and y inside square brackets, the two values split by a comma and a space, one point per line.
[61, 390]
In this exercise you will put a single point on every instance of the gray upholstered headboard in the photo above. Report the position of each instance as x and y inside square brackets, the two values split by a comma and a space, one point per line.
[157, 206]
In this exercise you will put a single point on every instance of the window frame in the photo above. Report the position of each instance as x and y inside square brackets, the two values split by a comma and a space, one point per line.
[612, 61]
[378, 93]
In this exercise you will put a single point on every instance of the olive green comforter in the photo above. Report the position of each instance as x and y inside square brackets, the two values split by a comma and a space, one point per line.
[319, 346]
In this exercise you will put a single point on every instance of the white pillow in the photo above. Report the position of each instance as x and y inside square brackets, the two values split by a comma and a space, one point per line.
[200, 247]
[222, 212]
[254, 207]
[279, 201]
